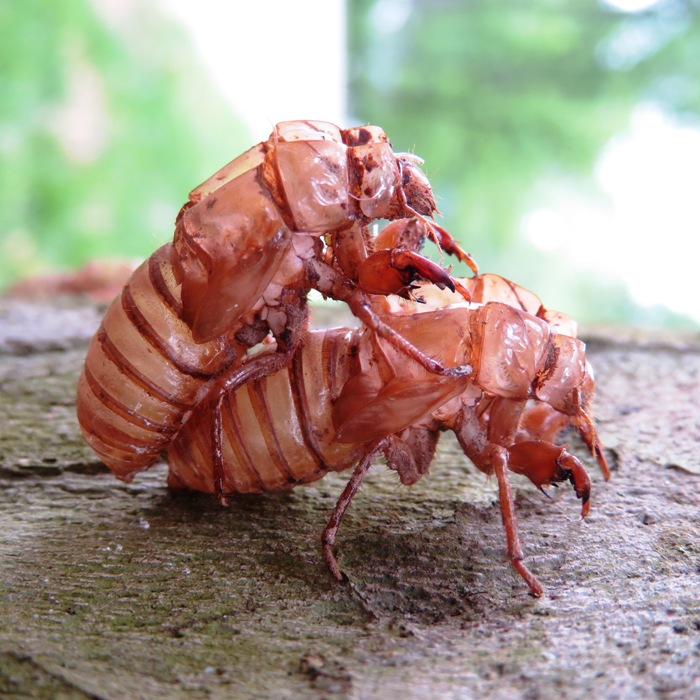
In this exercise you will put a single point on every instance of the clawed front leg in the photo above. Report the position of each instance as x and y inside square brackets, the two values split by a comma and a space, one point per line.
[545, 463]
[393, 271]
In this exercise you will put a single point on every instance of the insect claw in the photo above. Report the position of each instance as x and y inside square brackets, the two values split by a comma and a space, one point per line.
[461, 289]
[332, 562]
[585, 505]
[445, 242]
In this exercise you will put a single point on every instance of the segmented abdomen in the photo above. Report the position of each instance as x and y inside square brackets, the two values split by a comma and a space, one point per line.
[143, 370]
[276, 431]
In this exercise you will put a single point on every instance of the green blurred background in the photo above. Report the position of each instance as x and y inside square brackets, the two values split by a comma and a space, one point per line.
[560, 136]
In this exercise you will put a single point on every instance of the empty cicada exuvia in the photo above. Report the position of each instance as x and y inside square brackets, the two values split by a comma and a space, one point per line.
[287, 216]
[349, 395]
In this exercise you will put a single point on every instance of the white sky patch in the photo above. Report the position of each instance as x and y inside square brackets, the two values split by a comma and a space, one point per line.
[649, 237]
[653, 178]
[631, 5]
[389, 16]
[273, 60]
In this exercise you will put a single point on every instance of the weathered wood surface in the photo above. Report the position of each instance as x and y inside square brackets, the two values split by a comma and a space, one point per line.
[110, 590]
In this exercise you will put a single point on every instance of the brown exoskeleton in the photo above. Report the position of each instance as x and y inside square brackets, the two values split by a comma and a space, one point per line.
[349, 395]
[287, 216]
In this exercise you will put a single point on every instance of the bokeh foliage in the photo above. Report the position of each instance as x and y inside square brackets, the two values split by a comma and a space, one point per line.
[499, 97]
[106, 123]
[107, 120]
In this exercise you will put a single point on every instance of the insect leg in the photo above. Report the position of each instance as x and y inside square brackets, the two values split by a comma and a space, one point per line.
[362, 309]
[545, 463]
[445, 241]
[211, 404]
[264, 364]
[515, 553]
[542, 422]
[351, 488]
[235, 376]
[590, 436]
[329, 282]
[442, 239]
[217, 451]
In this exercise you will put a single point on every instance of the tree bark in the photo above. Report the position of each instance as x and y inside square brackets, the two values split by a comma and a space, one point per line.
[109, 590]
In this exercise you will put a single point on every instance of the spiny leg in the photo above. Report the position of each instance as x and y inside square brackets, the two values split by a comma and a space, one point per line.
[363, 311]
[442, 239]
[329, 282]
[505, 495]
[228, 383]
[351, 488]
[412, 262]
[445, 241]
[235, 376]
[393, 271]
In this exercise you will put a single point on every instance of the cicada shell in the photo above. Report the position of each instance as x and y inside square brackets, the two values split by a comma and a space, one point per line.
[349, 394]
[267, 207]
[287, 216]
[143, 370]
